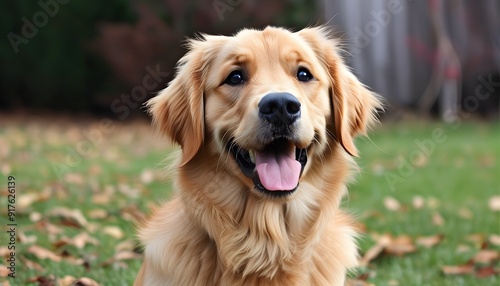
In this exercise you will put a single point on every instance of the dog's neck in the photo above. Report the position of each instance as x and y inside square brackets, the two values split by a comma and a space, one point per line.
[256, 235]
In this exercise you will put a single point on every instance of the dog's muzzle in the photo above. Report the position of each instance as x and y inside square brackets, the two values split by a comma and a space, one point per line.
[277, 167]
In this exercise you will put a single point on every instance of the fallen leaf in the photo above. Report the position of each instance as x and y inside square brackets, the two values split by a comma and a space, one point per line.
[31, 264]
[494, 203]
[35, 216]
[486, 256]
[463, 248]
[97, 214]
[127, 245]
[132, 213]
[392, 204]
[400, 246]
[478, 239]
[376, 250]
[4, 271]
[43, 253]
[84, 281]
[129, 191]
[101, 199]
[356, 282]
[458, 269]
[418, 202]
[23, 238]
[27, 199]
[71, 215]
[121, 256]
[79, 240]
[437, 219]
[147, 176]
[67, 281]
[487, 271]
[43, 281]
[113, 231]
[494, 239]
[74, 178]
[393, 282]
[429, 241]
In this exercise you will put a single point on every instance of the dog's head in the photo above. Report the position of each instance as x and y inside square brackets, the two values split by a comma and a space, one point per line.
[272, 100]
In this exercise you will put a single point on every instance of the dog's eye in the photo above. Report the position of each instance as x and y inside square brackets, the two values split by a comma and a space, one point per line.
[304, 74]
[234, 78]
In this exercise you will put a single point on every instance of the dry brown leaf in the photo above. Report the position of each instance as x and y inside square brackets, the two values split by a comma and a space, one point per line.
[72, 215]
[429, 241]
[101, 198]
[463, 248]
[23, 238]
[494, 239]
[66, 281]
[437, 219]
[458, 269]
[43, 253]
[400, 246]
[147, 176]
[5, 169]
[376, 250]
[392, 282]
[132, 213]
[25, 200]
[4, 271]
[85, 281]
[98, 214]
[43, 281]
[35, 216]
[484, 272]
[494, 203]
[121, 256]
[74, 178]
[127, 245]
[79, 240]
[31, 264]
[418, 202]
[392, 204]
[113, 231]
[4, 251]
[478, 239]
[486, 256]
[356, 282]
[129, 191]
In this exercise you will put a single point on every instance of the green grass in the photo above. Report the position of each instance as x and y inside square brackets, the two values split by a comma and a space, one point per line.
[461, 172]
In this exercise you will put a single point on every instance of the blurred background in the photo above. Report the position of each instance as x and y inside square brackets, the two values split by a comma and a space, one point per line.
[431, 57]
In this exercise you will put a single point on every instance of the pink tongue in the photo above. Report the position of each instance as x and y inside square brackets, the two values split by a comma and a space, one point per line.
[278, 172]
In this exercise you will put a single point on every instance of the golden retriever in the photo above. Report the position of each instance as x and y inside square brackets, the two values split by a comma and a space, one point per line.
[266, 121]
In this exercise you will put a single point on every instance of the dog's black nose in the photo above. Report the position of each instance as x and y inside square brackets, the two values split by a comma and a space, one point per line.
[280, 108]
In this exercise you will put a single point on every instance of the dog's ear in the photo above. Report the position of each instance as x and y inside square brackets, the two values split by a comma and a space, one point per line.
[178, 110]
[353, 105]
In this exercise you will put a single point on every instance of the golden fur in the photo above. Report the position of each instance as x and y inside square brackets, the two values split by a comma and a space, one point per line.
[217, 229]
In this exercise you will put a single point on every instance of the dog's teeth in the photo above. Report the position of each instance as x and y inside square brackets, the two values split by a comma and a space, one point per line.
[252, 156]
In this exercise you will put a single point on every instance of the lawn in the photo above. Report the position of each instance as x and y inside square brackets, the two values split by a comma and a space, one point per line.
[427, 198]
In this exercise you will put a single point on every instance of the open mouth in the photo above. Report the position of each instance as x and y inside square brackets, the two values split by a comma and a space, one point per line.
[274, 170]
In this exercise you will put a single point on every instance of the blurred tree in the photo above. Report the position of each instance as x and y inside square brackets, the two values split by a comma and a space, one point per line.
[76, 55]
[46, 61]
